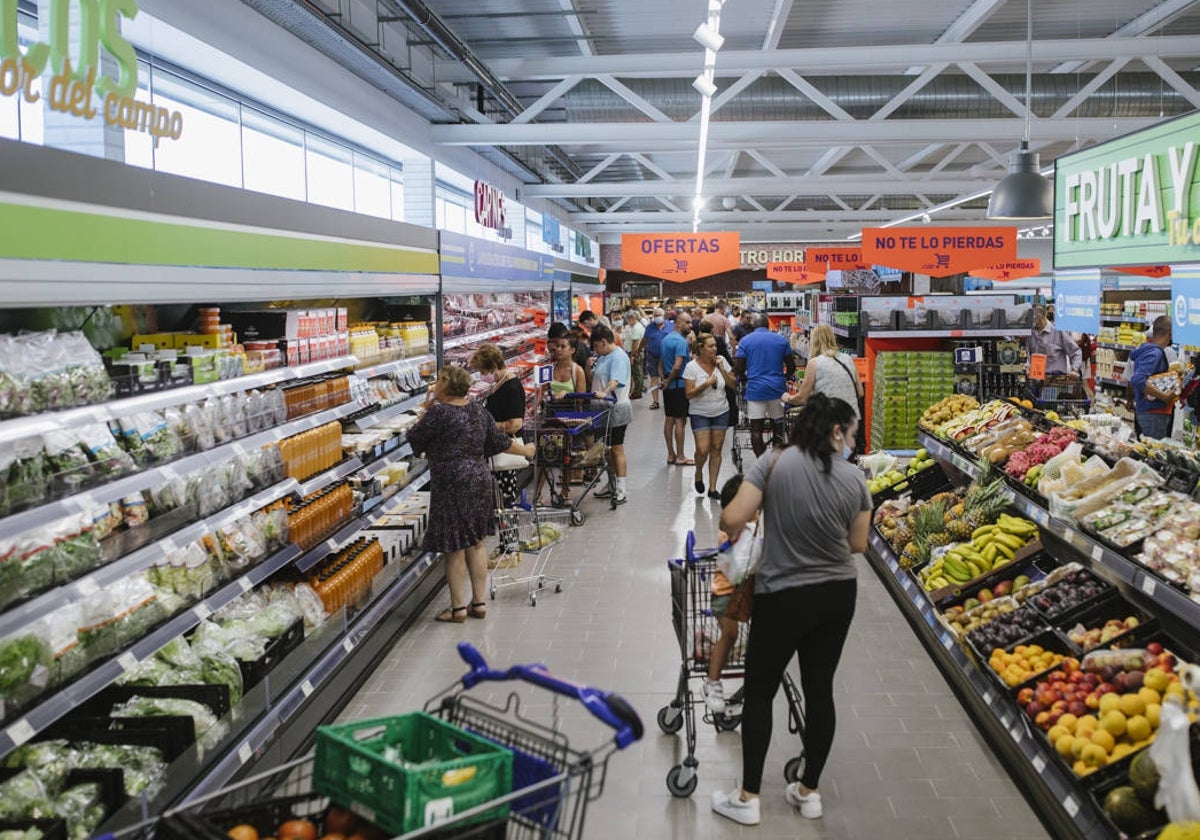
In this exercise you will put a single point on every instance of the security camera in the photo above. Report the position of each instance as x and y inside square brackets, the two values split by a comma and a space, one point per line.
[925, 219]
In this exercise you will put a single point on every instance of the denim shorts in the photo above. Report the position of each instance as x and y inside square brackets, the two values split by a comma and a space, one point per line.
[702, 424]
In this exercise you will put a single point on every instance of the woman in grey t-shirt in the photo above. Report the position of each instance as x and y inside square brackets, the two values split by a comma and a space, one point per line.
[816, 515]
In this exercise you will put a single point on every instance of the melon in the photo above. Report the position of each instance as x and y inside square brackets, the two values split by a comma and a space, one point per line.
[1143, 776]
[1128, 813]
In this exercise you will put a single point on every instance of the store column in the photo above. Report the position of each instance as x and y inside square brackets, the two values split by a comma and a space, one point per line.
[65, 130]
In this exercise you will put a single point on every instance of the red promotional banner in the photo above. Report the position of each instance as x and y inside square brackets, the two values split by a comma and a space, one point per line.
[680, 257]
[1146, 270]
[799, 274]
[1010, 270]
[836, 259]
[939, 251]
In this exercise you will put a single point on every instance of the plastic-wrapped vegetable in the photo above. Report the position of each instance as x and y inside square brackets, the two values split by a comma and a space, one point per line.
[85, 369]
[24, 669]
[198, 421]
[47, 373]
[25, 481]
[273, 468]
[311, 606]
[38, 558]
[212, 495]
[274, 527]
[258, 413]
[253, 465]
[138, 706]
[82, 808]
[140, 608]
[51, 761]
[134, 511]
[149, 439]
[60, 630]
[1129, 659]
[11, 583]
[233, 412]
[24, 797]
[143, 767]
[77, 550]
[66, 459]
[108, 458]
[105, 519]
[169, 496]
[217, 420]
[278, 405]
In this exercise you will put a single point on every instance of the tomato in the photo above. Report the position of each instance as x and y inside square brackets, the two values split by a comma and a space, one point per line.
[340, 820]
[243, 832]
[298, 830]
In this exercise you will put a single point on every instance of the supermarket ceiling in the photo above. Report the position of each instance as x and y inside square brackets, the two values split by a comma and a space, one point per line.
[828, 115]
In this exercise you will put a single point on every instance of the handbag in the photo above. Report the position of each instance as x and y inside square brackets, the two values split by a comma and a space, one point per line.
[741, 602]
[860, 437]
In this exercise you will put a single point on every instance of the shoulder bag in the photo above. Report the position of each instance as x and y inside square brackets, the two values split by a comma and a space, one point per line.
[741, 602]
[860, 439]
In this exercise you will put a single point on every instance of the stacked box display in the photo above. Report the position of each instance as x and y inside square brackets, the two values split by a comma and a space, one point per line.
[905, 384]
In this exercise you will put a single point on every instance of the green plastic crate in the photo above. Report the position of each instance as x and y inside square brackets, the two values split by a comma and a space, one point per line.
[410, 771]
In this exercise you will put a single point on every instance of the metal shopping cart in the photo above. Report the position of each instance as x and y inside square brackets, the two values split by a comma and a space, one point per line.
[572, 435]
[532, 533]
[697, 631]
[742, 436]
[552, 782]
[1066, 394]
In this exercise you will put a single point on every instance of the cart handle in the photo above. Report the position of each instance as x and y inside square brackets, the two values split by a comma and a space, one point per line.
[612, 398]
[609, 707]
[693, 555]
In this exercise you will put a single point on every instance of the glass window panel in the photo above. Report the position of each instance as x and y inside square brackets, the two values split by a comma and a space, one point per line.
[210, 147]
[139, 146]
[10, 125]
[372, 187]
[272, 155]
[397, 195]
[33, 121]
[456, 218]
[439, 210]
[330, 175]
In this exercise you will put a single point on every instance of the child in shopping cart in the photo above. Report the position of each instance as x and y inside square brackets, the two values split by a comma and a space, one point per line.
[722, 594]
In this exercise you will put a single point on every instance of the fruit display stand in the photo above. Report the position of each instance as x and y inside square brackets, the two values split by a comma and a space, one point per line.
[1113, 599]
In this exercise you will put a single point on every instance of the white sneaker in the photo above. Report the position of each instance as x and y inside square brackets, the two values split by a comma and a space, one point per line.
[714, 696]
[809, 804]
[605, 493]
[620, 498]
[731, 805]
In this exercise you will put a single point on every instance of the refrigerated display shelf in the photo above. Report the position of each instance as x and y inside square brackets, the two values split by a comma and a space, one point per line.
[1112, 346]
[332, 475]
[1054, 793]
[486, 335]
[1108, 563]
[391, 412]
[393, 366]
[21, 427]
[964, 334]
[376, 467]
[42, 715]
[1116, 319]
[89, 500]
[347, 533]
[1116, 383]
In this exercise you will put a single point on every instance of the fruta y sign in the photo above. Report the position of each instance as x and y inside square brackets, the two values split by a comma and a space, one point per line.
[74, 84]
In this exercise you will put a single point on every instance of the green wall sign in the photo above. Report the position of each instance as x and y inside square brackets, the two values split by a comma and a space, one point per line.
[78, 87]
[1130, 201]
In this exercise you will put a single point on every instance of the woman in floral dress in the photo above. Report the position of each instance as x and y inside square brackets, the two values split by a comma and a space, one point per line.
[458, 437]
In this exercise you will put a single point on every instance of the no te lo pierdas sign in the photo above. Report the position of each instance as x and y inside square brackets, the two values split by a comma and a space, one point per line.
[75, 83]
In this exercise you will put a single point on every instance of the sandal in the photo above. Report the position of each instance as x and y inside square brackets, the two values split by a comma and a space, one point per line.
[654, 406]
[477, 610]
[450, 615]
[686, 462]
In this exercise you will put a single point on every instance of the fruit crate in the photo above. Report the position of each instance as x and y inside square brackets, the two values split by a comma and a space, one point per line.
[1096, 613]
[1099, 794]
[216, 697]
[1035, 566]
[981, 652]
[954, 590]
[1046, 603]
[170, 734]
[55, 829]
[398, 768]
[254, 670]
[111, 784]
[1049, 639]
[925, 484]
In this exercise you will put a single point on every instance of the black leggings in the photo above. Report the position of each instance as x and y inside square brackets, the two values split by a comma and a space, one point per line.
[811, 622]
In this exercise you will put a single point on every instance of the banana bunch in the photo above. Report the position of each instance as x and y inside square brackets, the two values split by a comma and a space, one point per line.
[990, 546]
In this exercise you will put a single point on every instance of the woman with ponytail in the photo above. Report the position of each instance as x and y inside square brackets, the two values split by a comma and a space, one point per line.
[816, 513]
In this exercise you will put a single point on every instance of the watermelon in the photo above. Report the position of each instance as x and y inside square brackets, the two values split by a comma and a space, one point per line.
[1128, 813]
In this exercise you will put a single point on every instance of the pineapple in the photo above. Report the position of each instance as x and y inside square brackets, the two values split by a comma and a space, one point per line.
[983, 504]
[957, 510]
[959, 529]
[939, 538]
[929, 520]
[902, 537]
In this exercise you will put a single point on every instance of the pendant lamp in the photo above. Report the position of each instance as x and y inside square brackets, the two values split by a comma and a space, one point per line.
[1023, 193]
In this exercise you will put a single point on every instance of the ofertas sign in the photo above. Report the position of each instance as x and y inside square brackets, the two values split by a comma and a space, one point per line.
[1130, 201]
[1011, 270]
[76, 82]
[837, 259]
[1077, 301]
[1146, 270]
[1185, 306]
[679, 257]
[799, 274]
[489, 206]
[939, 251]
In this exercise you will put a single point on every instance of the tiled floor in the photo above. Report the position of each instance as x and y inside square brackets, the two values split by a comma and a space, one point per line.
[906, 763]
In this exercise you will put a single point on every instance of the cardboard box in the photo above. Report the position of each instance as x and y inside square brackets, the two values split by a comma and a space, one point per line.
[267, 324]
[205, 340]
[160, 341]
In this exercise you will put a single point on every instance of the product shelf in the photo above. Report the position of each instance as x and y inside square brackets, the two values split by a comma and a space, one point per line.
[391, 412]
[22, 427]
[1053, 791]
[1106, 380]
[332, 475]
[41, 716]
[487, 335]
[963, 334]
[89, 500]
[1111, 346]
[1115, 319]
[376, 467]
[393, 366]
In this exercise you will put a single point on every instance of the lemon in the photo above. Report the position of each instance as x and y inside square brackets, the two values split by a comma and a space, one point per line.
[1109, 702]
[1131, 705]
[1138, 728]
[1113, 722]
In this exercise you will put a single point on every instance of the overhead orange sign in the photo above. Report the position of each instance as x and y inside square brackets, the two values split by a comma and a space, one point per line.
[836, 259]
[1146, 270]
[799, 274]
[1010, 270]
[939, 251]
[680, 257]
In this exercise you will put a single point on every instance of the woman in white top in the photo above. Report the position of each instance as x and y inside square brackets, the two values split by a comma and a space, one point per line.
[829, 373]
[705, 378]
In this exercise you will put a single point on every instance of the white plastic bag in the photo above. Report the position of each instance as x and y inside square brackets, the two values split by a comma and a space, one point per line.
[1177, 791]
[741, 559]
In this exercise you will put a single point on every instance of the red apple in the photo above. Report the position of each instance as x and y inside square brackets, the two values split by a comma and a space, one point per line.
[1154, 648]
[1042, 720]
[1055, 714]
[1167, 663]
[1078, 708]
[1092, 702]
[1105, 688]
[1059, 706]
[1025, 696]
[1056, 677]
[1075, 677]
[1119, 682]
[1034, 709]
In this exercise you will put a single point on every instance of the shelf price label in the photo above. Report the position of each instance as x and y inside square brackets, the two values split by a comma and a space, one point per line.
[127, 661]
[245, 752]
[306, 688]
[1097, 553]
[1037, 366]
[1039, 763]
[20, 732]
[1071, 806]
[1148, 585]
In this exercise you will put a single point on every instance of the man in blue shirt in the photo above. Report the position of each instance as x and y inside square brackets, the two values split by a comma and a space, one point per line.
[766, 359]
[1152, 407]
[675, 355]
[612, 375]
[656, 331]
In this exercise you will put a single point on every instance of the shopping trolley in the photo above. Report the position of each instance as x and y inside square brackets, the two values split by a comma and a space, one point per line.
[697, 631]
[1064, 393]
[532, 533]
[572, 434]
[553, 782]
[742, 436]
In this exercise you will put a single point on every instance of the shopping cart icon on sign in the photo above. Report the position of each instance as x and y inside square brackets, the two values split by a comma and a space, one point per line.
[943, 260]
[681, 266]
